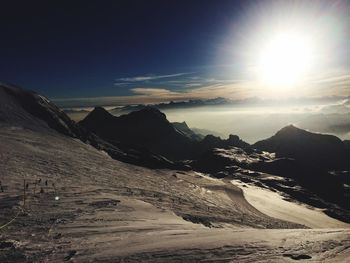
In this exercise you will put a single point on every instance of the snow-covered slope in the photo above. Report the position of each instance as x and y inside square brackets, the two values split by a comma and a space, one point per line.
[111, 211]
[24, 109]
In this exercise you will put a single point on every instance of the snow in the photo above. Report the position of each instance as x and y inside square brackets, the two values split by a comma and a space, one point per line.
[12, 112]
[273, 204]
[112, 211]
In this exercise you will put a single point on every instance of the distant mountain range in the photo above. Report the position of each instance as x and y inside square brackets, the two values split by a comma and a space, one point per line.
[175, 105]
[219, 101]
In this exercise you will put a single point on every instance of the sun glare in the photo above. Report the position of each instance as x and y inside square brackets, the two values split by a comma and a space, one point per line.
[284, 60]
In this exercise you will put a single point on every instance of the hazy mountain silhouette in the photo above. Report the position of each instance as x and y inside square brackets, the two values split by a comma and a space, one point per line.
[219, 101]
[325, 151]
[205, 132]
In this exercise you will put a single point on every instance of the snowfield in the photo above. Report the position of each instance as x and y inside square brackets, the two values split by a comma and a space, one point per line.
[109, 211]
[274, 205]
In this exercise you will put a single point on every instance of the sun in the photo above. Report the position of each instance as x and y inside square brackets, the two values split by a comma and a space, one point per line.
[284, 60]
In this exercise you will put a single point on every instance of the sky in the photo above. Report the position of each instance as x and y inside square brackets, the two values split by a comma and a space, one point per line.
[120, 52]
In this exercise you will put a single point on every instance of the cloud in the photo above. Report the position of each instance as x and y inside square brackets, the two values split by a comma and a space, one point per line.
[153, 92]
[341, 107]
[190, 85]
[339, 78]
[194, 92]
[121, 83]
[172, 81]
[150, 77]
[331, 83]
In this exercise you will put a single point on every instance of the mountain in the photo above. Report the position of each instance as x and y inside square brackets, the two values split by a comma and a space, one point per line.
[176, 105]
[347, 144]
[26, 109]
[205, 132]
[186, 131]
[220, 101]
[147, 128]
[321, 150]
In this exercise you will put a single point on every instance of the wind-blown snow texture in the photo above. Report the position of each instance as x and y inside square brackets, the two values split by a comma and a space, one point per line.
[110, 210]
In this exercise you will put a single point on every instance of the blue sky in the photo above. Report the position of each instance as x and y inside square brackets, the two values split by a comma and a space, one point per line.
[134, 51]
[80, 48]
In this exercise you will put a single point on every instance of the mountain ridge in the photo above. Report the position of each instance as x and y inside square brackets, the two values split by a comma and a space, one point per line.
[150, 128]
[313, 148]
[145, 128]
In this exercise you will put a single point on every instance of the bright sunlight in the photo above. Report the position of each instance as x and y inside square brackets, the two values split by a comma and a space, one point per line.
[284, 60]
